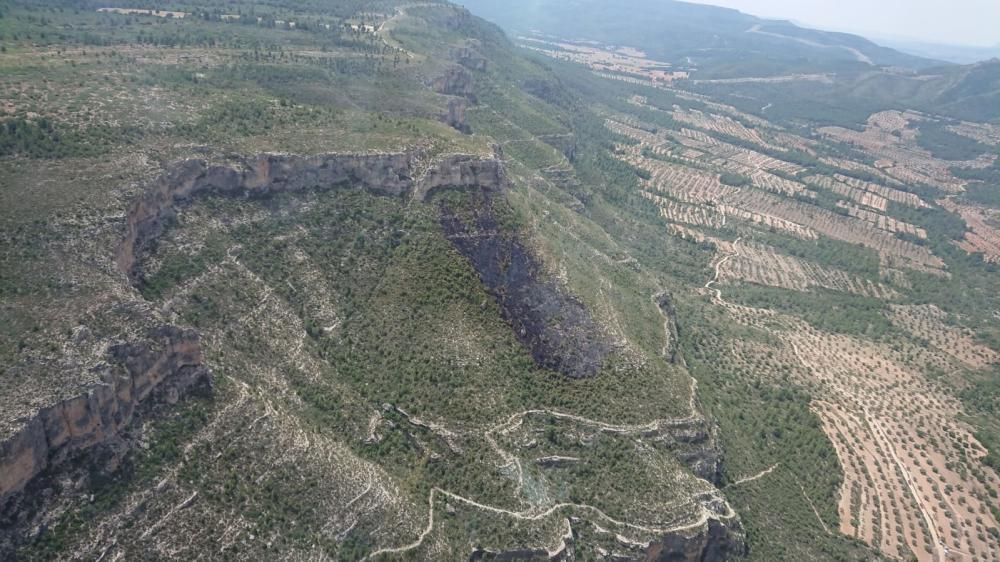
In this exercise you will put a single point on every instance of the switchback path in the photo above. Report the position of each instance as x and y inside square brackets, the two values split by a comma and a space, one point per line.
[516, 420]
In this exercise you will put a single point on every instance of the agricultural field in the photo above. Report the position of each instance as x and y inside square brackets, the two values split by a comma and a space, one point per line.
[625, 62]
[983, 236]
[892, 138]
[915, 484]
[763, 265]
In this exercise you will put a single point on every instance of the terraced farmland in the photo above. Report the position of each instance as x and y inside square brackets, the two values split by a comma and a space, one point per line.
[914, 486]
[885, 223]
[983, 236]
[913, 482]
[763, 265]
[929, 322]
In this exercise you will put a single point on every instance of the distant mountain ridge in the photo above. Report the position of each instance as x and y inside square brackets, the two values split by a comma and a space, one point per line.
[713, 37]
[721, 46]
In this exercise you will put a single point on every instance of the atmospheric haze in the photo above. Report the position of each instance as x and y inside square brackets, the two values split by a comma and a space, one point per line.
[959, 22]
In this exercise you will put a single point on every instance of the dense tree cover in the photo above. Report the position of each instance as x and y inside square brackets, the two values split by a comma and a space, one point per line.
[984, 186]
[43, 138]
[940, 224]
[765, 420]
[852, 258]
[942, 143]
[982, 193]
[831, 311]
[246, 25]
[734, 180]
[990, 174]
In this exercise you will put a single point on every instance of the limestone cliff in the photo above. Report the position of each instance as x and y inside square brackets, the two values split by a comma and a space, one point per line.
[468, 55]
[388, 174]
[718, 541]
[455, 81]
[163, 368]
[455, 116]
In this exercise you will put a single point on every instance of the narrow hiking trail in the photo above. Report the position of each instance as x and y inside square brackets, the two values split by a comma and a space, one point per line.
[718, 266]
[529, 516]
[757, 476]
[512, 423]
[813, 506]
[508, 459]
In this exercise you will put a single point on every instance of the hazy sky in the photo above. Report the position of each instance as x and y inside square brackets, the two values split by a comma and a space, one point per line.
[957, 22]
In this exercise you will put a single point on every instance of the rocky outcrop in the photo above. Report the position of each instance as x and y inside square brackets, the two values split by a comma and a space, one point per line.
[565, 143]
[673, 334]
[468, 56]
[386, 174]
[147, 217]
[548, 89]
[462, 171]
[555, 326]
[455, 81]
[163, 369]
[455, 116]
[693, 443]
[718, 541]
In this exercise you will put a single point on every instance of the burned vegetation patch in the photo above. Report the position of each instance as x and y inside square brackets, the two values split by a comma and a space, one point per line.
[554, 325]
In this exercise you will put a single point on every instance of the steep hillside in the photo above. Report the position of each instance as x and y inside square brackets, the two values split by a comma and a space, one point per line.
[287, 288]
[369, 281]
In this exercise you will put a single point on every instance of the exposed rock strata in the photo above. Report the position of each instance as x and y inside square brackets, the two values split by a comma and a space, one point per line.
[455, 116]
[162, 369]
[455, 81]
[523, 555]
[468, 56]
[388, 174]
[718, 541]
[693, 443]
[666, 304]
[553, 325]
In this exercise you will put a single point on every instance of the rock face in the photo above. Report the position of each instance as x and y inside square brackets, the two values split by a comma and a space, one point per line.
[693, 443]
[162, 369]
[549, 90]
[468, 56]
[461, 172]
[666, 304]
[554, 326]
[387, 174]
[455, 81]
[717, 542]
[455, 117]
